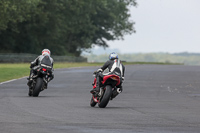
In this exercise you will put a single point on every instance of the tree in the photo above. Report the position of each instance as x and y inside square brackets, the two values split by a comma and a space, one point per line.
[15, 11]
[66, 27]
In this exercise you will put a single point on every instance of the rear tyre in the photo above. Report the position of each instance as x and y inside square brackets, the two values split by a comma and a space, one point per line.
[106, 97]
[38, 87]
[92, 102]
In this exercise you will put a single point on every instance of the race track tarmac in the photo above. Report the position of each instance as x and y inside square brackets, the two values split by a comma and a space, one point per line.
[155, 99]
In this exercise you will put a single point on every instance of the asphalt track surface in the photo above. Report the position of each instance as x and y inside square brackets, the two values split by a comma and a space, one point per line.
[156, 99]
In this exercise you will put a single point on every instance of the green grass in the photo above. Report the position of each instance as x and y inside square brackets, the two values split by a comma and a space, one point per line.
[10, 71]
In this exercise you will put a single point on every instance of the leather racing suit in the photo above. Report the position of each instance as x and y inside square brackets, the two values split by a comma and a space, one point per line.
[110, 65]
[41, 59]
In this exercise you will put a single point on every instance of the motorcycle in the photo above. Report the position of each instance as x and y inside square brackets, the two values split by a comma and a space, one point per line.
[40, 80]
[108, 90]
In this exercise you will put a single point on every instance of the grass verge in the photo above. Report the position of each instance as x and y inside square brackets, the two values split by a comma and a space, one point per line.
[10, 71]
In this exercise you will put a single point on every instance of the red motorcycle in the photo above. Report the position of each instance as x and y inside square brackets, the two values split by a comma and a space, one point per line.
[108, 89]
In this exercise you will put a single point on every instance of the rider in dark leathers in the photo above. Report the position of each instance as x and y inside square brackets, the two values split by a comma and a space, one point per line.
[44, 58]
[109, 64]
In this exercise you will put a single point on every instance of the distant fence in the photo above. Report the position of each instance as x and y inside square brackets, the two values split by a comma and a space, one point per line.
[21, 57]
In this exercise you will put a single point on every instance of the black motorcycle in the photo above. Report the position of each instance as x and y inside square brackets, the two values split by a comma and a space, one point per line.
[40, 80]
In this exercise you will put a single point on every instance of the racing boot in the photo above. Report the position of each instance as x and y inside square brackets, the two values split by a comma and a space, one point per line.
[45, 85]
[30, 92]
[30, 80]
[97, 89]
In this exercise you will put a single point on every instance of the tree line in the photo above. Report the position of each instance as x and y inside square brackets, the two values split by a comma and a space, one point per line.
[66, 27]
[182, 58]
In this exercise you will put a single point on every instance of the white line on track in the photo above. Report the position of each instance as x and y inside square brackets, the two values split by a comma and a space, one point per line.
[26, 76]
[11, 80]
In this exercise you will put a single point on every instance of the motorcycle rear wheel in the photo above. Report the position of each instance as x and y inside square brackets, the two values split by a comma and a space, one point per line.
[38, 87]
[106, 97]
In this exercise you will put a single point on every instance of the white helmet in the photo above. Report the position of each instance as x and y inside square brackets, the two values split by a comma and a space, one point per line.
[46, 51]
[113, 55]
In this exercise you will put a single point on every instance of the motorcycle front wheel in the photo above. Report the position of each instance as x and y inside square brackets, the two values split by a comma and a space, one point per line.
[38, 87]
[92, 102]
[106, 97]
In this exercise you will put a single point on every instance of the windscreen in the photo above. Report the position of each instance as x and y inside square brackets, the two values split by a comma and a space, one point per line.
[46, 61]
[116, 67]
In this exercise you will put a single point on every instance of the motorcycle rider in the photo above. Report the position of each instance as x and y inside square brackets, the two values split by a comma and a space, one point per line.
[44, 58]
[110, 65]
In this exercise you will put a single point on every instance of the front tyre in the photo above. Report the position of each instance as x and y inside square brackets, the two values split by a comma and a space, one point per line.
[92, 102]
[106, 97]
[38, 87]
[30, 92]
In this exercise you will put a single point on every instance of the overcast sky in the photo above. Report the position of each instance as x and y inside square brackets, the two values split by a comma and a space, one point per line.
[163, 26]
